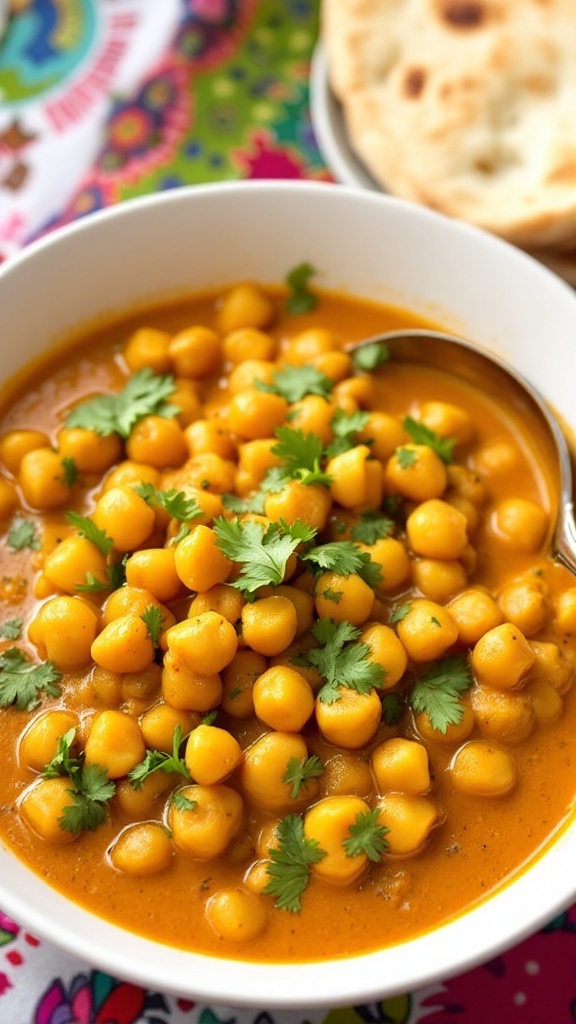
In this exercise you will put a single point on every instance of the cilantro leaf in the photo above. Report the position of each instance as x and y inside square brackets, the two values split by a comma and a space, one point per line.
[183, 803]
[297, 772]
[254, 503]
[290, 863]
[341, 661]
[367, 837]
[421, 434]
[12, 629]
[400, 611]
[301, 454]
[301, 299]
[23, 535]
[87, 528]
[64, 761]
[21, 681]
[261, 551]
[392, 708]
[295, 382]
[438, 691]
[144, 394]
[406, 457]
[160, 760]
[373, 526]
[370, 357]
[174, 502]
[91, 790]
[343, 557]
[70, 471]
[345, 427]
[152, 619]
[93, 584]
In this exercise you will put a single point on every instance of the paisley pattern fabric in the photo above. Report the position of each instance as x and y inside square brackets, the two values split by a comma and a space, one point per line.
[104, 100]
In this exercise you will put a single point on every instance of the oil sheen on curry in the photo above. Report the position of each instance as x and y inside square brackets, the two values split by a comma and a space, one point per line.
[285, 663]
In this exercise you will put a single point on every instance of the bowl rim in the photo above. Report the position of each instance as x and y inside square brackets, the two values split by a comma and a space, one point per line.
[501, 920]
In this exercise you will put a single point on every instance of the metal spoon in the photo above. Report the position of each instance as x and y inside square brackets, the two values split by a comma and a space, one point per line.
[468, 361]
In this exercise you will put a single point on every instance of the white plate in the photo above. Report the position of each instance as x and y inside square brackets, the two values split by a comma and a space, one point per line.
[330, 129]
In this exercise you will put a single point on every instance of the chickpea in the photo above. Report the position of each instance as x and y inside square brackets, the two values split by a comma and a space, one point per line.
[157, 441]
[480, 768]
[524, 604]
[125, 517]
[147, 347]
[437, 579]
[474, 613]
[246, 374]
[545, 700]
[357, 478]
[550, 664]
[236, 915]
[360, 391]
[63, 632]
[386, 650]
[74, 562]
[129, 473]
[263, 772]
[195, 352]
[392, 557]
[335, 365]
[344, 598]
[352, 720]
[143, 802]
[115, 743]
[347, 774]
[212, 754]
[269, 624]
[16, 443]
[283, 699]
[401, 764]
[238, 680]
[154, 570]
[502, 657]
[303, 603]
[313, 415]
[566, 611]
[427, 631]
[307, 345]
[91, 452]
[409, 819]
[245, 305]
[520, 524]
[465, 483]
[501, 715]
[43, 806]
[221, 598]
[205, 819]
[436, 529]
[254, 414]
[257, 878]
[328, 823]
[415, 471]
[248, 343]
[385, 434]
[205, 643]
[124, 645]
[199, 562]
[307, 502]
[187, 690]
[42, 479]
[39, 743]
[205, 436]
[159, 723]
[497, 459]
[455, 732]
[447, 420]
[143, 849]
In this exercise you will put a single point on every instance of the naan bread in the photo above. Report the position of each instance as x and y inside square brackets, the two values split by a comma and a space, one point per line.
[466, 106]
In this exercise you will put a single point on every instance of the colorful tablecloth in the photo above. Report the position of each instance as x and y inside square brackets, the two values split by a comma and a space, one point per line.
[103, 100]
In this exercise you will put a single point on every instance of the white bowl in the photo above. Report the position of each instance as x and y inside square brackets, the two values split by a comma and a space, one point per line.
[375, 246]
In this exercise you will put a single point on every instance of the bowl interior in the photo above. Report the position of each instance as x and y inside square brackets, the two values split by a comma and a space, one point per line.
[364, 243]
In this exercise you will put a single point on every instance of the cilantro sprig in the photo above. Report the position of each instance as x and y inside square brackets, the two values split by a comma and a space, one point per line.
[301, 455]
[261, 551]
[89, 784]
[346, 427]
[370, 357]
[159, 760]
[301, 299]
[87, 528]
[421, 434]
[11, 629]
[367, 836]
[298, 772]
[438, 691]
[290, 864]
[371, 527]
[343, 557]
[23, 535]
[341, 660]
[22, 682]
[295, 382]
[145, 394]
[152, 619]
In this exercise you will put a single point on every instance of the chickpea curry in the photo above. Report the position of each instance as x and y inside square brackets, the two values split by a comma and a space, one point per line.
[285, 660]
